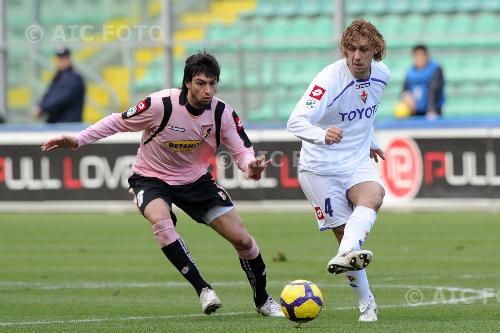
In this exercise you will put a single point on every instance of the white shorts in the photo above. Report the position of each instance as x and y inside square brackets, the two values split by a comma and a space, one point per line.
[328, 193]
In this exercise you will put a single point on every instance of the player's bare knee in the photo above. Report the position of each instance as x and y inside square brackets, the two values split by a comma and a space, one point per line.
[378, 200]
[242, 242]
[158, 217]
[250, 251]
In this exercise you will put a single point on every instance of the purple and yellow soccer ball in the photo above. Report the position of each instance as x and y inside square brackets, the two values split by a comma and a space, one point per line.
[301, 301]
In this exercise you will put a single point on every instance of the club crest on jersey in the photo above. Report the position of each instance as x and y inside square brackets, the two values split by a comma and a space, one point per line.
[317, 92]
[206, 130]
[140, 107]
[364, 96]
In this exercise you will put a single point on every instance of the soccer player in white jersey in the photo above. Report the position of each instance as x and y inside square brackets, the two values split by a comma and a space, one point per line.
[334, 119]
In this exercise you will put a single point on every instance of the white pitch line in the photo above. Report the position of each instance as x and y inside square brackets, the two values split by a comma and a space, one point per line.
[480, 294]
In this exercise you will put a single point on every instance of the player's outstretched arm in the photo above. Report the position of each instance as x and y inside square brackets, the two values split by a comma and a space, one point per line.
[256, 167]
[63, 141]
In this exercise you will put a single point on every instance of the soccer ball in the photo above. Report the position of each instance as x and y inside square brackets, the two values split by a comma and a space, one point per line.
[301, 301]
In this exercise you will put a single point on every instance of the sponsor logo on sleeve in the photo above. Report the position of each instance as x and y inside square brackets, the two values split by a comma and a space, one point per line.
[140, 107]
[317, 92]
[319, 213]
[311, 103]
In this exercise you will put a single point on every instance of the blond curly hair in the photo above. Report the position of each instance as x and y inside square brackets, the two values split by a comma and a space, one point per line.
[362, 28]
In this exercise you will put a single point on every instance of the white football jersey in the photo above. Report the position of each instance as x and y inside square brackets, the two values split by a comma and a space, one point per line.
[336, 98]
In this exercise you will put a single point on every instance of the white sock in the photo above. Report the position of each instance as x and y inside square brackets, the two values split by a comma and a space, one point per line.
[359, 283]
[357, 228]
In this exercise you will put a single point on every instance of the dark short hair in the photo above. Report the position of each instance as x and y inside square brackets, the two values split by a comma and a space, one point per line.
[201, 62]
[420, 47]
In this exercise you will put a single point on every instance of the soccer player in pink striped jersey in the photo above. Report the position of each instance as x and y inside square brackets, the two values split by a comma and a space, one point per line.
[181, 130]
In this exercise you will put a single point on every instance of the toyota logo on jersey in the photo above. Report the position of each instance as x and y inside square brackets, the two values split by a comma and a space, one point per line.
[317, 92]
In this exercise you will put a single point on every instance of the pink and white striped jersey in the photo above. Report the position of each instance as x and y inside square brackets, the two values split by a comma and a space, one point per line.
[180, 153]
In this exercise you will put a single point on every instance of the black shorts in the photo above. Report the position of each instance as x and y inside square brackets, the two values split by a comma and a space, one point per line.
[196, 199]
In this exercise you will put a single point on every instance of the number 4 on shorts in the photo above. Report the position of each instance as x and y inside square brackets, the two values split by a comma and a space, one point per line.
[328, 207]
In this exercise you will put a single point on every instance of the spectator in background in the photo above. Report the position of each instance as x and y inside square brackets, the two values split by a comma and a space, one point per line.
[423, 90]
[63, 101]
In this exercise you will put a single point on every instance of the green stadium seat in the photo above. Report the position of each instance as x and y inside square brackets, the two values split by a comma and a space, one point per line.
[301, 26]
[285, 107]
[411, 24]
[20, 12]
[452, 67]
[399, 6]
[459, 29]
[263, 112]
[491, 68]
[465, 88]
[422, 6]
[486, 23]
[268, 8]
[489, 5]
[376, 7]
[16, 33]
[460, 23]
[467, 6]
[470, 66]
[437, 24]
[444, 6]
[315, 7]
[390, 25]
[354, 8]
[261, 74]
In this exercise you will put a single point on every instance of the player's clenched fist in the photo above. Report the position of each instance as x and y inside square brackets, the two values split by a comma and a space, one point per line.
[333, 135]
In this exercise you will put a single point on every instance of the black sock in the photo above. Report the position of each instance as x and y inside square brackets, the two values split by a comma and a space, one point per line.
[179, 256]
[256, 274]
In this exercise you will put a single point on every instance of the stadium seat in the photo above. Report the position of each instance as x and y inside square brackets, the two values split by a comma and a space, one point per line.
[452, 66]
[275, 34]
[390, 25]
[437, 24]
[489, 5]
[411, 24]
[19, 12]
[421, 6]
[399, 6]
[376, 7]
[460, 24]
[444, 6]
[486, 23]
[467, 6]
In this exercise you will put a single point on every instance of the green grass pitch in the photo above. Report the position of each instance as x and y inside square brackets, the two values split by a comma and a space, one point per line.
[105, 273]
